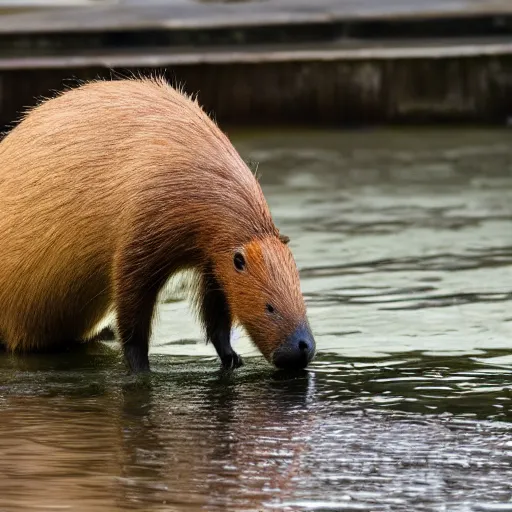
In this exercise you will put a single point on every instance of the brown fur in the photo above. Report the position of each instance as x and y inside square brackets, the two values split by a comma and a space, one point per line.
[108, 190]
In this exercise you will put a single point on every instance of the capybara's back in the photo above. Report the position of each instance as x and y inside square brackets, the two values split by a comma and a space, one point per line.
[68, 174]
[106, 191]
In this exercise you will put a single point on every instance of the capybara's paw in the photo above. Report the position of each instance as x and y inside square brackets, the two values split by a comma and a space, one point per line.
[232, 361]
[136, 357]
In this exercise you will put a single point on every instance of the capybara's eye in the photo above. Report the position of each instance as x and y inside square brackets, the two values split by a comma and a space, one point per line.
[239, 262]
[270, 308]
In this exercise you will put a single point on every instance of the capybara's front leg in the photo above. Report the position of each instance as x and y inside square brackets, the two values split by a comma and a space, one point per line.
[216, 317]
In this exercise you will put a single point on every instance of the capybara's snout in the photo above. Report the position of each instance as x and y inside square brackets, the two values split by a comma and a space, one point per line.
[297, 351]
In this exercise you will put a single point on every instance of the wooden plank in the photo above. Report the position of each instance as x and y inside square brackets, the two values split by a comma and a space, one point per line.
[154, 14]
[260, 54]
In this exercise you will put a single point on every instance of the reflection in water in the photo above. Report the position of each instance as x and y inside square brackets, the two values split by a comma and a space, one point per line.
[404, 245]
[369, 434]
[189, 437]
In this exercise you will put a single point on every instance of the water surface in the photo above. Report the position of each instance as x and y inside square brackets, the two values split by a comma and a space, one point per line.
[404, 242]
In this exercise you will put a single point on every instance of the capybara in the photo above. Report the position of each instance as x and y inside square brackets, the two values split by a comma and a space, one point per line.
[109, 189]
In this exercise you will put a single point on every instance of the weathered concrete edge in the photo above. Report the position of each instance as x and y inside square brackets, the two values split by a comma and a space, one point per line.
[255, 56]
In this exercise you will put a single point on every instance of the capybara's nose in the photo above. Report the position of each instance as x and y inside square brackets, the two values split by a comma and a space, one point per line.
[297, 351]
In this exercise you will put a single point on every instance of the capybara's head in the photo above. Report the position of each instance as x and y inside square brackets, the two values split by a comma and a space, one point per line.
[262, 285]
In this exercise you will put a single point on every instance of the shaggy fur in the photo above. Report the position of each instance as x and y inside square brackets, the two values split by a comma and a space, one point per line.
[108, 190]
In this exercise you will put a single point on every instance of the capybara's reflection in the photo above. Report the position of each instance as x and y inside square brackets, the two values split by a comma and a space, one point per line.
[200, 439]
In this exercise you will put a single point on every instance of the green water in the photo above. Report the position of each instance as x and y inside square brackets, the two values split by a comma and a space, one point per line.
[404, 242]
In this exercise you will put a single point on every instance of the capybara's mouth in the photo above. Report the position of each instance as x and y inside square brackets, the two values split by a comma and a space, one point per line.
[296, 352]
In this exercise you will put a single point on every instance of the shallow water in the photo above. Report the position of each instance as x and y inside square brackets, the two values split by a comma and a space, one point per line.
[404, 241]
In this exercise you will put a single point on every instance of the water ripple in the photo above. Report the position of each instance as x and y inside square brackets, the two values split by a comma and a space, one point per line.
[403, 241]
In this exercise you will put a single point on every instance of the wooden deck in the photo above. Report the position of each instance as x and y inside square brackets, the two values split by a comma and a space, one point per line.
[334, 62]
[179, 14]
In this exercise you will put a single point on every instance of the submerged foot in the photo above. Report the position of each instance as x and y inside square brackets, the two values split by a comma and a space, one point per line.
[231, 361]
[136, 359]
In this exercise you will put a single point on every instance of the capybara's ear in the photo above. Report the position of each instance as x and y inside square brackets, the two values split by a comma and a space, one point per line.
[285, 239]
